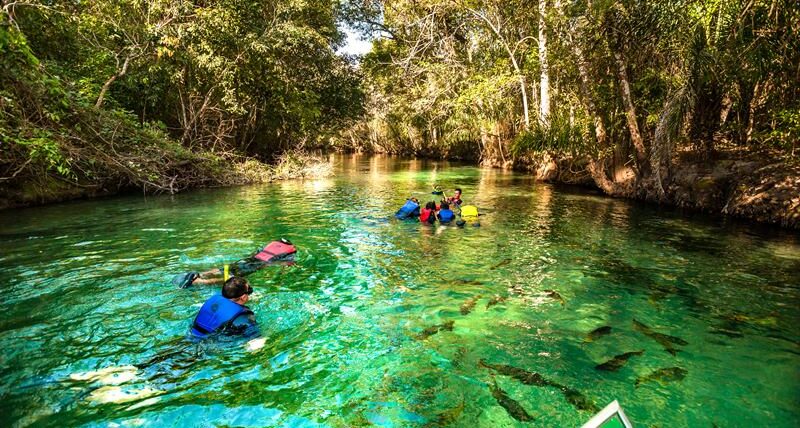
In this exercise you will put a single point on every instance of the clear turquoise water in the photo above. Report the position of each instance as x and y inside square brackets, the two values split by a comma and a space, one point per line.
[85, 287]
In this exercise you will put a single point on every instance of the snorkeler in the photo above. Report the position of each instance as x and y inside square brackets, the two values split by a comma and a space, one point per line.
[428, 214]
[446, 215]
[276, 251]
[409, 209]
[226, 313]
[469, 215]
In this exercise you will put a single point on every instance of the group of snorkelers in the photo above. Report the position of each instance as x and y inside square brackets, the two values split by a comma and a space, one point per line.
[226, 313]
[443, 211]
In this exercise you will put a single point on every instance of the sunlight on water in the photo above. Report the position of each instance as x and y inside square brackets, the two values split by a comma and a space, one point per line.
[560, 302]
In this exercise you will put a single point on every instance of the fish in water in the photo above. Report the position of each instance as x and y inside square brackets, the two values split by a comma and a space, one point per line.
[524, 376]
[495, 300]
[470, 281]
[618, 361]
[579, 400]
[501, 264]
[664, 339]
[512, 406]
[430, 331]
[669, 374]
[531, 378]
[469, 305]
[553, 294]
[449, 416]
[598, 332]
[730, 332]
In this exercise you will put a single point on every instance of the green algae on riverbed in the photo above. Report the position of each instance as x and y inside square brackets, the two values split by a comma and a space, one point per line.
[86, 288]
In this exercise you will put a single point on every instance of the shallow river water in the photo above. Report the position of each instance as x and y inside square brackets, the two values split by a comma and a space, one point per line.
[92, 333]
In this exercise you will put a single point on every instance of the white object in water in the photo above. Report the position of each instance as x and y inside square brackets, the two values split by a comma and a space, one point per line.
[115, 394]
[347, 310]
[611, 416]
[256, 344]
[113, 375]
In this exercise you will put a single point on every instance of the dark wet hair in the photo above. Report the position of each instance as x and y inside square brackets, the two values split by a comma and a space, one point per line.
[430, 205]
[445, 206]
[458, 189]
[236, 287]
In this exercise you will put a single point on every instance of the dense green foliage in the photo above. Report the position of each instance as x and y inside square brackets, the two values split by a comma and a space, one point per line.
[165, 94]
[620, 82]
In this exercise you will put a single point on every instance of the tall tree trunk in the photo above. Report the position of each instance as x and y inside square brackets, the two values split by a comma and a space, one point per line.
[544, 79]
[597, 164]
[496, 30]
[104, 89]
[630, 111]
[599, 126]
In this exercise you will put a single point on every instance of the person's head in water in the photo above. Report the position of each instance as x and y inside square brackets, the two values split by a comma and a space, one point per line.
[445, 206]
[237, 289]
[430, 205]
[414, 200]
[458, 193]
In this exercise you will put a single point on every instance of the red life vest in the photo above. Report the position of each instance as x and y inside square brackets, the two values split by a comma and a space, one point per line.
[425, 214]
[275, 250]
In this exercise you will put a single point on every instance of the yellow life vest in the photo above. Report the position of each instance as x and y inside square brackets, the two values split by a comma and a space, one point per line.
[469, 211]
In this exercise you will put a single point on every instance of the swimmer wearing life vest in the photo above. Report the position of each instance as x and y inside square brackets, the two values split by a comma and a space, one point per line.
[276, 251]
[226, 313]
[428, 214]
[469, 216]
[445, 215]
[409, 210]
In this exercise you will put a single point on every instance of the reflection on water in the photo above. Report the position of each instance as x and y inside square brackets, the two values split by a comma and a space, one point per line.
[561, 302]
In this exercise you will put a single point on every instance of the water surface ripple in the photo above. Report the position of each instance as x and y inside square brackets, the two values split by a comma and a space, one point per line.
[350, 329]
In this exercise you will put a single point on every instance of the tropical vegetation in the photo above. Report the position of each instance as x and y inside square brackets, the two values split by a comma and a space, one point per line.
[618, 88]
[162, 95]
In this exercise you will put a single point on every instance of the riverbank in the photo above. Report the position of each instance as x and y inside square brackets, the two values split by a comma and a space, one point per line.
[755, 186]
[196, 171]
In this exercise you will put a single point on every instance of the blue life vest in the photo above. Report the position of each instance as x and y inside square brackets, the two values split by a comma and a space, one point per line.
[216, 314]
[446, 216]
[410, 209]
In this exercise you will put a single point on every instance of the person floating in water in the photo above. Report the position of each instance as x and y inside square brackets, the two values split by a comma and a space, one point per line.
[469, 215]
[409, 210]
[226, 313]
[428, 214]
[455, 200]
[276, 251]
[446, 215]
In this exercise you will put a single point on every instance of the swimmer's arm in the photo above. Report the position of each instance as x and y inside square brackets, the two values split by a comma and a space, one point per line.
[207, 281]
[209, 277]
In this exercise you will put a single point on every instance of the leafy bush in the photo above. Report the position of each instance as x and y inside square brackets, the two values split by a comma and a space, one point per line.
[561, 137]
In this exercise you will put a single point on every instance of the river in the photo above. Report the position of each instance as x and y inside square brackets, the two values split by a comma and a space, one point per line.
[92, 332]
